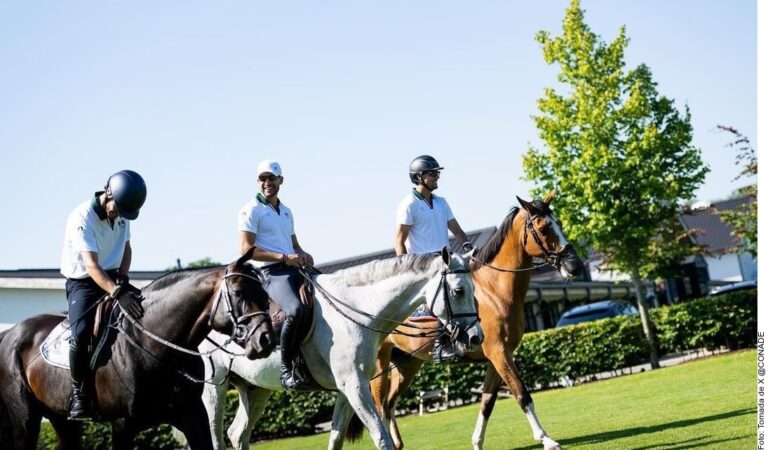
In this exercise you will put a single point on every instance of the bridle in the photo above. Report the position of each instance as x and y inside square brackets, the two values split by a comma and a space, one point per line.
[552, 258]
[240, 333]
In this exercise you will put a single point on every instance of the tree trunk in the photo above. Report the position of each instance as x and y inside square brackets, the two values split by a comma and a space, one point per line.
[645, 317]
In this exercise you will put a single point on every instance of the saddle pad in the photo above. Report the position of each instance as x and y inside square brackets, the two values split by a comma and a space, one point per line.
[55, 348]
[422, 314]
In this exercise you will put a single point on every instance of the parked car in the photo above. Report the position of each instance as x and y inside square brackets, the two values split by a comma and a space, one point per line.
[740, 286]
[596, 311]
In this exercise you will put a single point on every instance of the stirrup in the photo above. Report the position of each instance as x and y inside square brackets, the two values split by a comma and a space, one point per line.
[441, 355]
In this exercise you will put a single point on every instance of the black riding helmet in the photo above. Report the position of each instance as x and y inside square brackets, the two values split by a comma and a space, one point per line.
[129, 191]
[420, 165]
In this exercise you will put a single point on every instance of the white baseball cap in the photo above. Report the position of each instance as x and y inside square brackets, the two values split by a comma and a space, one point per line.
[269, 166]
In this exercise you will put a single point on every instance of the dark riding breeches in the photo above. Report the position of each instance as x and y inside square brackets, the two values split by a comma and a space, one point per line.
[82, 296]
[282, 284]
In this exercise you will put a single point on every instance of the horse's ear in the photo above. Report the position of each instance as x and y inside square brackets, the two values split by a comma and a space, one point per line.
[446, 255]
[526, 205]
[550, 196]
[246, 256]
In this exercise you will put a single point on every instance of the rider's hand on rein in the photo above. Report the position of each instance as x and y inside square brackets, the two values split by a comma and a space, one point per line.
[129, 299]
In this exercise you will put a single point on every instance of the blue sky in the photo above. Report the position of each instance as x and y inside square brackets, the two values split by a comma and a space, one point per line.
[193, 95]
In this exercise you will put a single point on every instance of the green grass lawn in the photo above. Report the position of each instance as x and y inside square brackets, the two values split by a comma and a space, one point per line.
[709, 403]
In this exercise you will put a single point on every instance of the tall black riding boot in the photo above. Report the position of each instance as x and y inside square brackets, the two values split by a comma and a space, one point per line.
[80, 405]
[289, 378]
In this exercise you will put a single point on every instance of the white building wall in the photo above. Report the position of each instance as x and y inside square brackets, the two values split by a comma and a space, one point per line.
[724, 267]
[17, 304]
[21, 298]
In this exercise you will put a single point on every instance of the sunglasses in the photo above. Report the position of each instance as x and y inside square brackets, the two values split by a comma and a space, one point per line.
[264, 178]
[433, 173]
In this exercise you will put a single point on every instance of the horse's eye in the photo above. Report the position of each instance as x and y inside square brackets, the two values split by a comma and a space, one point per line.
[458, 291]
[237, 292]
[544, 228]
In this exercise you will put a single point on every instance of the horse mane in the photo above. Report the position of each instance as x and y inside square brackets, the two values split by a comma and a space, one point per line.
[379, 270]
[492, 247]
[175, 276]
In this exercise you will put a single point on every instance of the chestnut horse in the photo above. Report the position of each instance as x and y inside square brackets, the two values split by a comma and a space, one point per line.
[502, 273]
[149, 377]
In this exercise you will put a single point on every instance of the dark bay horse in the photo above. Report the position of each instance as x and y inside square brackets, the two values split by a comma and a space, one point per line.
[145, 381]
[501, 272]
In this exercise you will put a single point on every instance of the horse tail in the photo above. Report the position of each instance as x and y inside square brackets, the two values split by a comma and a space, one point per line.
[354, 429]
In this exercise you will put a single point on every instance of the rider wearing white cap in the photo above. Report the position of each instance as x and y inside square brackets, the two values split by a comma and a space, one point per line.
[423, 221]
[266, 223]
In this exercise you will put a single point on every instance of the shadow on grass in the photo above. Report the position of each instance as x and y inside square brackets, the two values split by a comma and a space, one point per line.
[627, 432]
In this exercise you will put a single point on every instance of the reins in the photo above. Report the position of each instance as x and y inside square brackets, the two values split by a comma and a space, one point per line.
[335, 302]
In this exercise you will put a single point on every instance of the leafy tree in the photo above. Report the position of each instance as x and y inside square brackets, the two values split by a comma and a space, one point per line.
[197, 264]
[205, 262]
[619, 153]
[743, 220]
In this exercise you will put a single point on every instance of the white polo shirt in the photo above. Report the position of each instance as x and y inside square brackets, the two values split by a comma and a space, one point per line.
[273, 231]
[88, 230]
[429, 224]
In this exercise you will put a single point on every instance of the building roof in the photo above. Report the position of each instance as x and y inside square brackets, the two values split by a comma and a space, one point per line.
[478, 238]
[709, 230]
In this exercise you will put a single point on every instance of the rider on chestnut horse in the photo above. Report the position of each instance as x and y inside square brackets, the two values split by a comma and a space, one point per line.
[423, 221]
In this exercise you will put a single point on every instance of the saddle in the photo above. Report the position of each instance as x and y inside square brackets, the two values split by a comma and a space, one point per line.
[55, 348]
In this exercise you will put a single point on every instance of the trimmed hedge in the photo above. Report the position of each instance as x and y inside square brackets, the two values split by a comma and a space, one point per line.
[98, 436]
[543, 358]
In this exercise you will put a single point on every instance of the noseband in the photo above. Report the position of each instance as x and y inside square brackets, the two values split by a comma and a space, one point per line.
[240, 332]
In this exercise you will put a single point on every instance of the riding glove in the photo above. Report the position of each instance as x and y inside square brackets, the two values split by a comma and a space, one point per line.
[129, 298]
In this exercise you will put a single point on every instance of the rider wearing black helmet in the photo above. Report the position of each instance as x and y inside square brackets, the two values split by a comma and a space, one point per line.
[95, 260]
[423, 221]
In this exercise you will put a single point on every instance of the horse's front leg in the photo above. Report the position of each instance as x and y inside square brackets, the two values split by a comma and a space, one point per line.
[342, 413]
[253, 400]
[506, 368]
[358, 394]
[214, 397]
[194, 426]
[123, 434]
[491, 386]
[402, 377]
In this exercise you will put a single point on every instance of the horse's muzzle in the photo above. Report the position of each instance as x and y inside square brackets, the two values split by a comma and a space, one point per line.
[261, 341]
[571, 262]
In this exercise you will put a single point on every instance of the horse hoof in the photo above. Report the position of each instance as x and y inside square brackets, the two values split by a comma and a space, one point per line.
[550, 444]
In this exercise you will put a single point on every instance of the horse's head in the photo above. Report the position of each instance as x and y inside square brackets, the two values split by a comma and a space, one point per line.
[543, 237]
[242, 309]
[453, 302]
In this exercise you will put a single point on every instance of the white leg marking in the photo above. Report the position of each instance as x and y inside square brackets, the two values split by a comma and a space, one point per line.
[478, 436]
